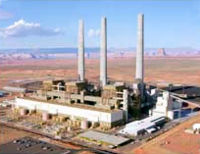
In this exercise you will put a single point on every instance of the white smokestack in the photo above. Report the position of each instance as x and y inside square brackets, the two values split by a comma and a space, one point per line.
[103, 52]
[81, 52]
[140, 49]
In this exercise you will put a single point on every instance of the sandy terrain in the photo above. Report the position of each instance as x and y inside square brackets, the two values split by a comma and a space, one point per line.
[175, 70]
[9, 134]
[175, 141]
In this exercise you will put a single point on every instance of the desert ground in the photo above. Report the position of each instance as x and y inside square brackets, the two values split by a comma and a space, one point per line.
[159, 69]
[175, 141]
[169, 69]
[9, 134]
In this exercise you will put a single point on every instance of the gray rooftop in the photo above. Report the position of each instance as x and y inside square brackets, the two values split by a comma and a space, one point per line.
[107, 138]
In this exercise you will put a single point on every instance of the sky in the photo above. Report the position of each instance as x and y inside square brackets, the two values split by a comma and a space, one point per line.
[54, 23]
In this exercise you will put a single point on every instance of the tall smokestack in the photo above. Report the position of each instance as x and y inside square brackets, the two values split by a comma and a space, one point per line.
[103, 52]
[140, 49]
[81, 52]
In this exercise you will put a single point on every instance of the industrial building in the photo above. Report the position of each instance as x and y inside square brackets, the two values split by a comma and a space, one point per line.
[3, 93]
[91, 114]
[14, 89]
[138, 127]
[104, 138]
[166, 106]
[106, 104]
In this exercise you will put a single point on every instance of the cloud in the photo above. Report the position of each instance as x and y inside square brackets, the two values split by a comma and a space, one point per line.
[22, 28]
[5, 15]
[93, 33]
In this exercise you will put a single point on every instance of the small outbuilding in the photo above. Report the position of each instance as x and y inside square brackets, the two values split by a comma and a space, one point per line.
[196, 126]
[138, 127]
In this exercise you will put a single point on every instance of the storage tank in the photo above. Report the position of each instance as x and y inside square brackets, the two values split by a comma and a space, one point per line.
[68, 129]
[95, 124]
[196, 126]
[170, 115]
[154, 91]
[23, 112]
[84, 124]
[31, 111]
[45, 116]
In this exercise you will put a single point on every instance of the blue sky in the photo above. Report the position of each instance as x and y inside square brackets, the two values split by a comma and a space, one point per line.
[54, 23]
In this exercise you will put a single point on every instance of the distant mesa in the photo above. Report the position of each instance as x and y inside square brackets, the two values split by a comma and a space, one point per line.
[161, 52]
[122, 54]
[90, 53]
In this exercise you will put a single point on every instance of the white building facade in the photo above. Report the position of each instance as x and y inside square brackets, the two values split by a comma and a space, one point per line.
[56, 109]
[165, 106]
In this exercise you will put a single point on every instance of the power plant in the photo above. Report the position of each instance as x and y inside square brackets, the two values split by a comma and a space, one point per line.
[99, 77]
[108, 104]
[106, 113]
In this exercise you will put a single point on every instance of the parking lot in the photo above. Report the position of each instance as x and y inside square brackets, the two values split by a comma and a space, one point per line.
[29, 145]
